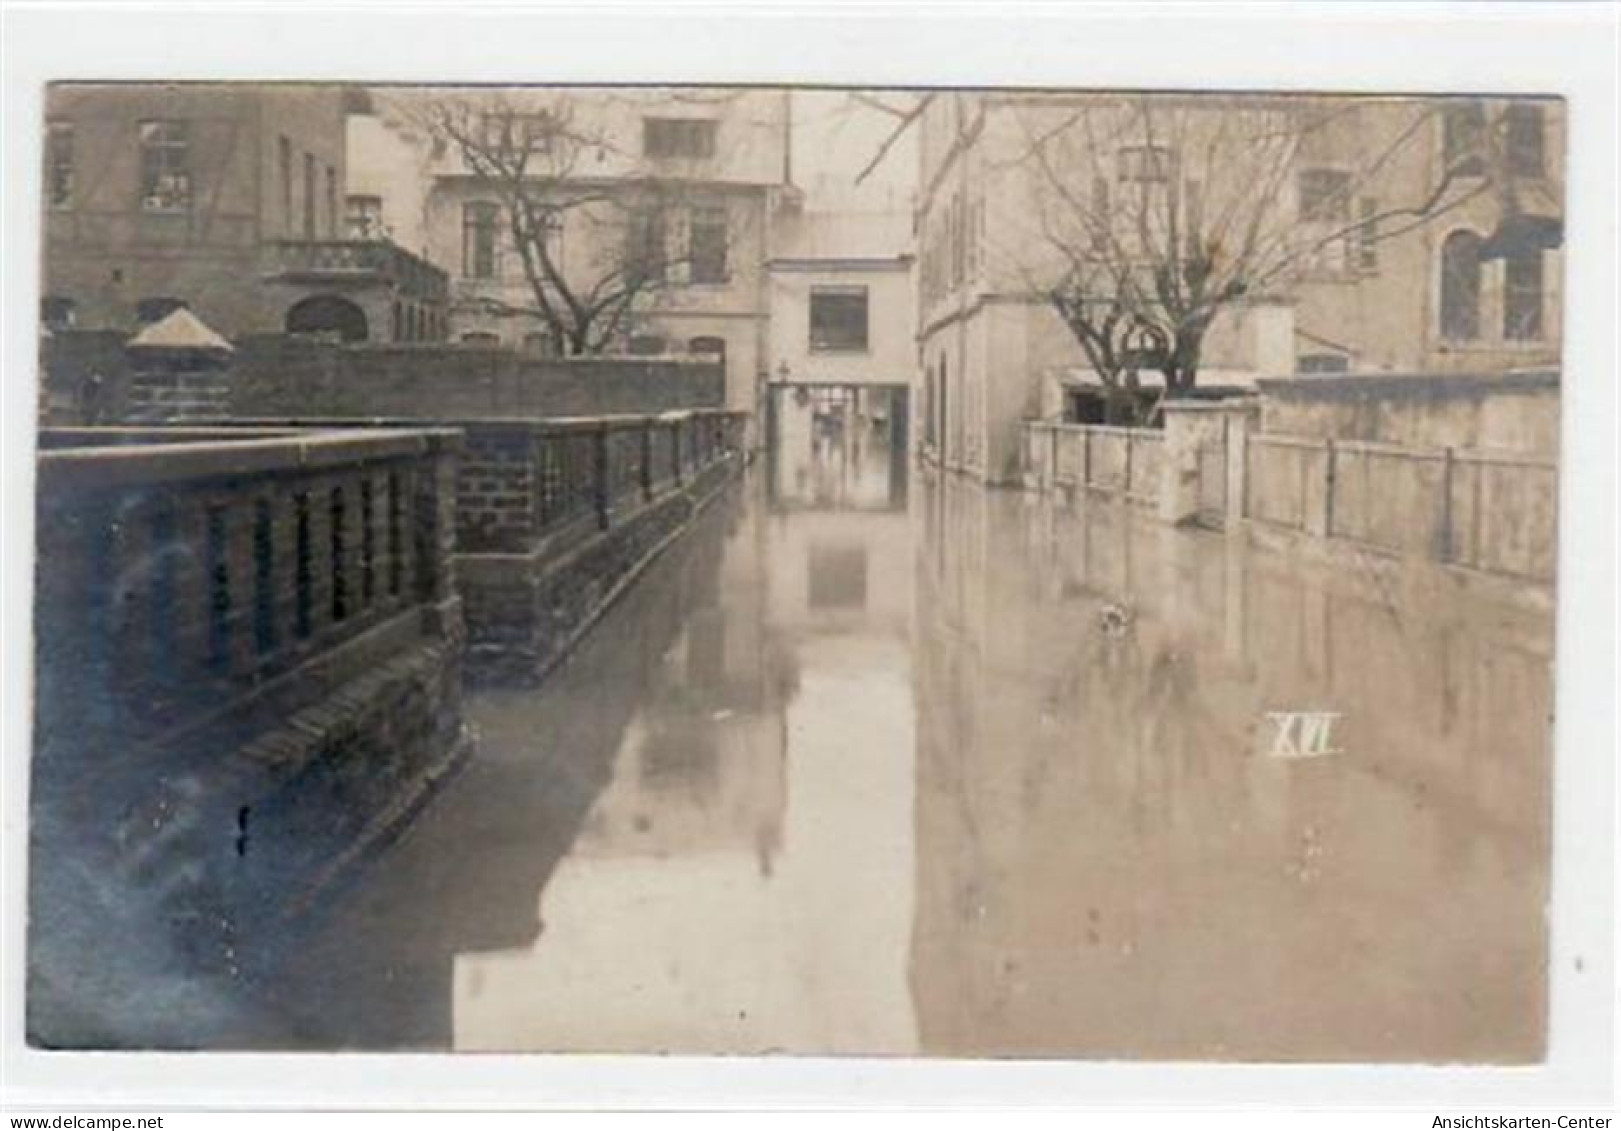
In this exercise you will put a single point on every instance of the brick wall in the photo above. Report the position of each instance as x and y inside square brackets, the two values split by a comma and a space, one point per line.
[280, 376]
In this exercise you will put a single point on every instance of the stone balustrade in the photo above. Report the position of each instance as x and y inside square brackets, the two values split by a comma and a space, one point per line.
[248, 651]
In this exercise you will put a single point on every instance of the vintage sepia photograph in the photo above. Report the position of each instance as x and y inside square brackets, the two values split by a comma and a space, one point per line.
[946, 572]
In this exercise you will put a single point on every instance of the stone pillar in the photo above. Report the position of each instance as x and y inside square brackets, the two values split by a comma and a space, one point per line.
[1243, 418]
[1189, 426]
[180, 371]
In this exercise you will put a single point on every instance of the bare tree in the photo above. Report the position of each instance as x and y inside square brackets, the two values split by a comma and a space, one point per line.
[1163, 212]
[1150, 215]
[538, 155]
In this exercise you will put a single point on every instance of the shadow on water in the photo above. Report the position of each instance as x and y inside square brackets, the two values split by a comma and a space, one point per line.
[375, 969]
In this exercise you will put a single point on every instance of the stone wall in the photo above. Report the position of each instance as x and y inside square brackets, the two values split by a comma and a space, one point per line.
[282, 376]
[1508, 411]
[248, 657]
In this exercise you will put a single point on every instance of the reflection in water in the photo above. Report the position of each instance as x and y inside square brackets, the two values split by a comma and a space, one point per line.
[740, 884]
[985, 778]
[1110, 861]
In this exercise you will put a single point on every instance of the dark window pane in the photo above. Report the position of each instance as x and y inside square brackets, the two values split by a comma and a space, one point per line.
[478, 240]
[1146, 164]
[1460, 287]
[152, 309]
[1522, 297]
[1464, 130]
[838, 319]
[678, 137]
[645, 252]
[708, 252]
[165, 166]
[1523, 139]
[1324, 194]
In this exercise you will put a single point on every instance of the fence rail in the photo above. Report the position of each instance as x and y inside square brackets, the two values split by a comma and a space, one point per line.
[1487, 510]
[1124, 462]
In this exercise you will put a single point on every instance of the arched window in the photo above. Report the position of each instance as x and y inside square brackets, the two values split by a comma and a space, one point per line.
[480, 338]
[1460, 287]
[715, 347]
[327, 316]
[151, 309]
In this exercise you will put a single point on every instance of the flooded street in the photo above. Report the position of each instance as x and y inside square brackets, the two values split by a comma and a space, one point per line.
[863, 766]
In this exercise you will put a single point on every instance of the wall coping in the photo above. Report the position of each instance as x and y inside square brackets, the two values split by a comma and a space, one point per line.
[257, 454]
[613, 421]
[1416, 385]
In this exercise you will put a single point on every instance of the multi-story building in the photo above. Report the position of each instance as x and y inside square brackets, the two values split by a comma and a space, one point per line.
[843, 348]
[1366, 268]
[224, 198]
[690, 177]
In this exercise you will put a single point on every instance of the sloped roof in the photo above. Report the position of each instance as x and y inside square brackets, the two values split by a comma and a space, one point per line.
[180, 329]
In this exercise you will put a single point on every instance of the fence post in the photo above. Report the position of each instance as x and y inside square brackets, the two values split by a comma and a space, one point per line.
[1240, 421]
[600, 468]
[675, 450]
[1086, 459]
[1444, 547]
[1328, 487]
[1053, 434]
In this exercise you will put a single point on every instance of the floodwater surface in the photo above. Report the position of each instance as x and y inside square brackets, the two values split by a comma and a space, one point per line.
[863, 766]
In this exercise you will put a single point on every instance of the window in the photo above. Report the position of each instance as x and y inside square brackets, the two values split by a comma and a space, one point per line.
[511, 132]
[478, 240]
[645, 253]
[1323, 363]
[59, 164]
[331, 202]
[1146, 164]
[365, 217]
[481, 338]
[1098, 223]
[1324, 194]
[165, 166]
[1193, 216]
[539, 342]
[150, 310]
[708, 244]
[678, 137]
[1463, 125]
[56, 312]
[309, 197]
[284, 164]
[1522, 297]
[1460, 287]
[838, 319]
[1367, 234]
[645, 345]
[708, 347]
[1523, 139]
